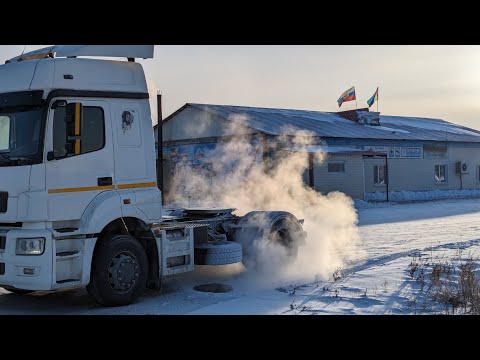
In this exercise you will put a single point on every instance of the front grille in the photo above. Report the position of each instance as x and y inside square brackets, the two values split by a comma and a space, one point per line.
[3, 202]
[2, 269]
[3, 240]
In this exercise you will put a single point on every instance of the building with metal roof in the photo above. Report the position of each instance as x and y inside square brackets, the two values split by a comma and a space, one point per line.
[366, 152]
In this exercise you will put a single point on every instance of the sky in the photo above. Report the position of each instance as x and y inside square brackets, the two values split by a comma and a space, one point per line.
[419, 80]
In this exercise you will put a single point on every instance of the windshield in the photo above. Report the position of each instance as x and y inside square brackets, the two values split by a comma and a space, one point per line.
[19, 135]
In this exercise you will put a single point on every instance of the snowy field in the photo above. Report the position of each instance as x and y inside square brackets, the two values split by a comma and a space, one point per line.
[402, 242]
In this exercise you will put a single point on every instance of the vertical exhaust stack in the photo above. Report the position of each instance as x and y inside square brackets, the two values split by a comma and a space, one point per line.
[159, 145]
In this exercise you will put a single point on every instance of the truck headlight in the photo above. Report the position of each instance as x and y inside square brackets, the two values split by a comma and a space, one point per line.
[30, 246]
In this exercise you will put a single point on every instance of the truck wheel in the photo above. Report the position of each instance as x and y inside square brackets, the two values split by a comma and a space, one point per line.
[222, 253]
[119, 271]
[277, 227]
[18, 291]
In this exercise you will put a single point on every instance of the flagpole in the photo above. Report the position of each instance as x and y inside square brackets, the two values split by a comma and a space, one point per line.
[377, 99]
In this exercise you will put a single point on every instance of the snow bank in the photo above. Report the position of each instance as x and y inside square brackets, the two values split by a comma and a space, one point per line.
[400, 196]
[362, 204]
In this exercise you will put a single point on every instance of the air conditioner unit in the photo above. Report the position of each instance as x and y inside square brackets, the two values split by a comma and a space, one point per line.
[461, 167]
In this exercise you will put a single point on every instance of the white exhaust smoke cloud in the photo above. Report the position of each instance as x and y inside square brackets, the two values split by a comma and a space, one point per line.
[237, 177]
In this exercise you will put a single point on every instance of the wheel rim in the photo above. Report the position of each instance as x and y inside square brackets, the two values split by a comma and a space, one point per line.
[283, 237]
[123, 272]
[283, 234]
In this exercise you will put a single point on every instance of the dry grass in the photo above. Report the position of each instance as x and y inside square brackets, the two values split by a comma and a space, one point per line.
[337, 274]
[452, 287]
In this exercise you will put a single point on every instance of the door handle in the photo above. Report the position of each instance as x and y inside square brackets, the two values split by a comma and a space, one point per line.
[104, 181]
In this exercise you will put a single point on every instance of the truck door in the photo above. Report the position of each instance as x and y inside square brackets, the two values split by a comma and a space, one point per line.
[80, 156]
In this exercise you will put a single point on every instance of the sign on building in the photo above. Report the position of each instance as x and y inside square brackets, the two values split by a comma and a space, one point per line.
[398, 152]
[435, 151]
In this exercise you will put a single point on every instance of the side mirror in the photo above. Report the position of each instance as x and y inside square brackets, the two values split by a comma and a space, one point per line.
[58, 103]
[73, 120]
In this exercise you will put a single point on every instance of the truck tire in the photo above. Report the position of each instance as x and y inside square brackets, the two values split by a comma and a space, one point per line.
[271, 226]
[119, 271]
[18, 291]
[221, 253]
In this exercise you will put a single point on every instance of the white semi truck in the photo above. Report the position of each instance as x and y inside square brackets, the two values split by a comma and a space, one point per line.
[79, 202]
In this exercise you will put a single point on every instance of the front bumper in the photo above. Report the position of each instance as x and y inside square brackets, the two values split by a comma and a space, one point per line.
[31, 272]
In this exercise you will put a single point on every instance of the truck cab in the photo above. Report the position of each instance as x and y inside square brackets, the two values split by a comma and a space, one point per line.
[77, 157]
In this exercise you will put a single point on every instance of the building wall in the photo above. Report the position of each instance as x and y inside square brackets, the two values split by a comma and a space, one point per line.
[350, 182]
[419, 174]
[405, 174]
[207, 159]
[471, 156]
[190, 132]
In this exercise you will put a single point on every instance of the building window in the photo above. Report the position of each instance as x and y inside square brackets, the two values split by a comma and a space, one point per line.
[92, 129]
[440, 174]
[336, 167]
[379, 174]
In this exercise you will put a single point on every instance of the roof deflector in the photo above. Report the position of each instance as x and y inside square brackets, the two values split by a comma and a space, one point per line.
[125, 51]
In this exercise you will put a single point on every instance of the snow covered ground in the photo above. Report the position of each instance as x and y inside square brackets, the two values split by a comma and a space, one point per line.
[393, 236]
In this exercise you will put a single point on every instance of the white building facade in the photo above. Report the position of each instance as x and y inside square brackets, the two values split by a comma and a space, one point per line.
[364, 153]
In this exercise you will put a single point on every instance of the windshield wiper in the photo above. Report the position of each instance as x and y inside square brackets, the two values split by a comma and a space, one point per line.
[5, 156]
[9, 160]
[18, 160]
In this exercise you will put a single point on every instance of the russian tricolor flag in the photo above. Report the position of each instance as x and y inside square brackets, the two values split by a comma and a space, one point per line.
[348, 95]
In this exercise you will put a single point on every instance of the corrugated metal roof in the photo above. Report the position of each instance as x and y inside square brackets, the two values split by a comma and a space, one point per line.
[326, 124]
